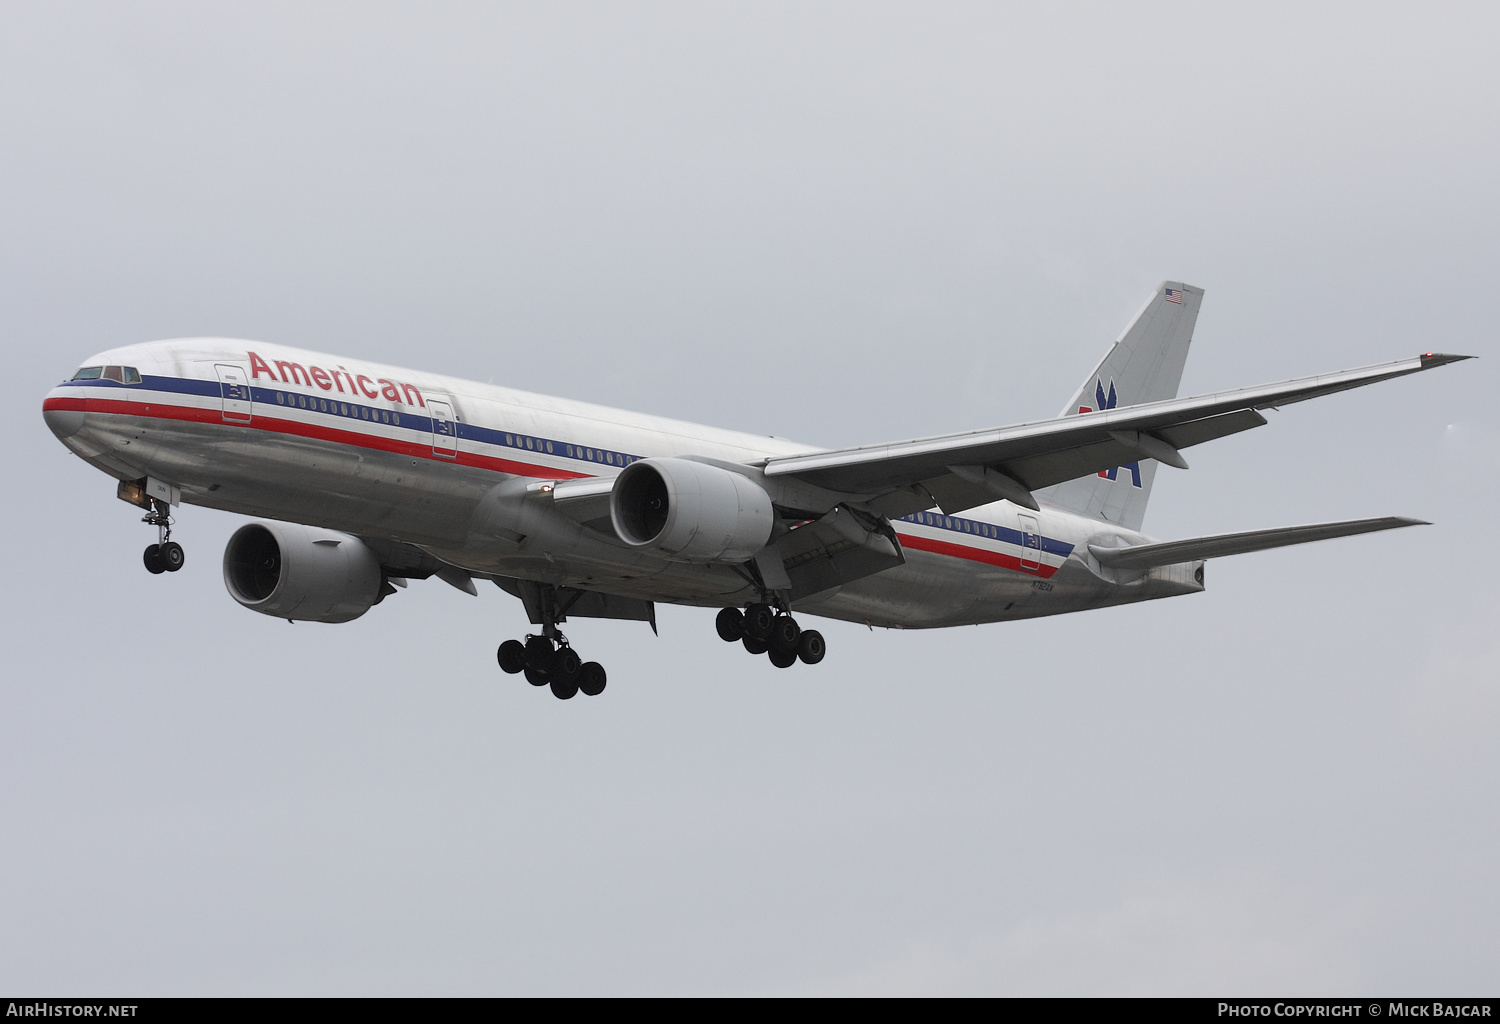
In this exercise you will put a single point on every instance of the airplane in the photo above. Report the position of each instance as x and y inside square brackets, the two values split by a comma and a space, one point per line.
[362, 477]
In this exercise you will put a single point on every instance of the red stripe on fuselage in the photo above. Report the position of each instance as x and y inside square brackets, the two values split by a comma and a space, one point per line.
[273, 424]
[276, 425]
[943, 547]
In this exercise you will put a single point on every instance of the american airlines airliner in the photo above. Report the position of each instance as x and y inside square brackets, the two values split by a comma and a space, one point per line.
[363, 477]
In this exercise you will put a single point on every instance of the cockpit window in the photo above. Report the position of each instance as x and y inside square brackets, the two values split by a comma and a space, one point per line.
[118, 374]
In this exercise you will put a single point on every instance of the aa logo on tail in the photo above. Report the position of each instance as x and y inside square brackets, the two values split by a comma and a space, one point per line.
[1102, 402]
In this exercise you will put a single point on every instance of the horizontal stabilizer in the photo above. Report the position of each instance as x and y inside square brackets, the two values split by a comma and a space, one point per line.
[1172, 552]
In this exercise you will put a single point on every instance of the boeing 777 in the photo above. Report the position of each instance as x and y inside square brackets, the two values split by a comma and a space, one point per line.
[366, 476]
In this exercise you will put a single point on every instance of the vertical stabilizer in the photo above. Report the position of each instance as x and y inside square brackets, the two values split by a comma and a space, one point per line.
[1144, 365]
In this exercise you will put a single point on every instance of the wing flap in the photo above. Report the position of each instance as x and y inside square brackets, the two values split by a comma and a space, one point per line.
[1185, 435]
[1172, 552]
[841, 547]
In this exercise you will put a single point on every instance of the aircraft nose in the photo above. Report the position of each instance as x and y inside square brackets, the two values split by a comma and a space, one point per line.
[62, 419]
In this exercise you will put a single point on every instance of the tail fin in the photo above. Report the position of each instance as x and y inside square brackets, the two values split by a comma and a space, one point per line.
[1143, 365]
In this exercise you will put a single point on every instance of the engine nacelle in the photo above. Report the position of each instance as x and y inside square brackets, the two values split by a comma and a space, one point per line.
[689, 511]
[299, 572]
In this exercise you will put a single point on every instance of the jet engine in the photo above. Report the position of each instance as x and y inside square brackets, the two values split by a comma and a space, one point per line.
[298, 572]
[690, 511]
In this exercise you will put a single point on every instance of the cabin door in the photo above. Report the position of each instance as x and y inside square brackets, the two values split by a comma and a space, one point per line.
[444, 429]
[234, 393]
[1031, 545]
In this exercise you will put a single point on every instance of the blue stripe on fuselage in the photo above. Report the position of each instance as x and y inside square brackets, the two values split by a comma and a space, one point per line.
[267, 397]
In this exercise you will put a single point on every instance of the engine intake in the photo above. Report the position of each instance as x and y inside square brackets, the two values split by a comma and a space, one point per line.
[689, 511]
[298, 572]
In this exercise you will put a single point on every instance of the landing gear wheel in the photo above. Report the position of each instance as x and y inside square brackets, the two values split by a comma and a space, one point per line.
[172, 556]
[591, 678]
[782, 659]
[512, 656]
[537, 677]
[539, 653]
[758, 621]
[811, 647]
[566, 663]
[154, 563]
[755, 646]
[564, 689]
[784, 635]
[731, 625]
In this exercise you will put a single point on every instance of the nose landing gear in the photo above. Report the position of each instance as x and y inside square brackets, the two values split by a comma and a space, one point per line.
[166, 555]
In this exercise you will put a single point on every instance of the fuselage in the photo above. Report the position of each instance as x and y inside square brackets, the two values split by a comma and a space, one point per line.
[450, 466]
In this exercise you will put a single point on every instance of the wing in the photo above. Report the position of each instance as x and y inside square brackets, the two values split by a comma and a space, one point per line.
[960, 471]
[1147, 556]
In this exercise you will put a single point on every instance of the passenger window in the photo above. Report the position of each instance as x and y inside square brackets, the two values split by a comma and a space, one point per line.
[88, 373]
[132, 375]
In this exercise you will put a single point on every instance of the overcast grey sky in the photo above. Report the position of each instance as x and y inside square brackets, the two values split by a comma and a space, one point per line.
[840, 223]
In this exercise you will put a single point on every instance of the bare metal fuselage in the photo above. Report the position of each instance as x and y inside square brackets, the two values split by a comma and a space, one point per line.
[387, 462]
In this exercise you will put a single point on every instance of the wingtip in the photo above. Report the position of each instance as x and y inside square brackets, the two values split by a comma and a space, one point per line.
[1431, 359]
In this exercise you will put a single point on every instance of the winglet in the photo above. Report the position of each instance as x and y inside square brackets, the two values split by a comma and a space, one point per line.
[1431, 359]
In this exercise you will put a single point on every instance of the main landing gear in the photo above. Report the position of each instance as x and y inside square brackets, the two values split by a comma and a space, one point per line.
[764, 630]
[166, 554]
[551, 661]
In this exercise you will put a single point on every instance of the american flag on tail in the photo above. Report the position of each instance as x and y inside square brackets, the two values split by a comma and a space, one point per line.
[1174, 295]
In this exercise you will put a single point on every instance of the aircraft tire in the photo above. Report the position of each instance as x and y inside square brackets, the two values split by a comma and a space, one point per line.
[782, 659]
[730, 624]
[755, 646]
[758, 621]
[152, 557]
[536, 677]
[784, 634]
[811, 647]
[565, 664]
[172, 556]
[539, 653]
[564, 689]
[591, 678]
[511, 656]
